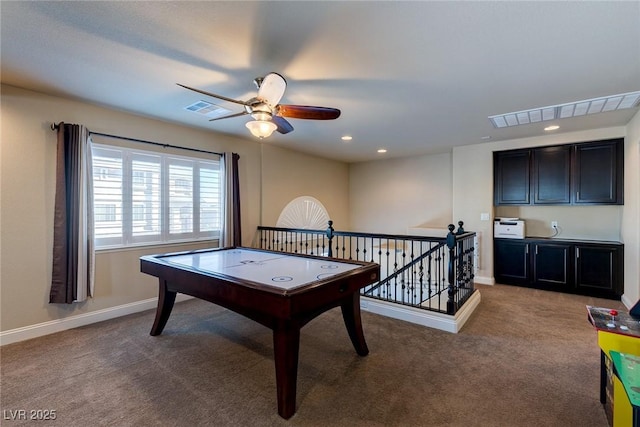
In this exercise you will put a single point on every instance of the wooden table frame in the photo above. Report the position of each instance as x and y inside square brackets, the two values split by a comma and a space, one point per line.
[285, 312]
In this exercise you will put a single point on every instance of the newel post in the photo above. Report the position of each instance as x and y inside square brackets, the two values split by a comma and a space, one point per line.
[452, 306]
[330, 237]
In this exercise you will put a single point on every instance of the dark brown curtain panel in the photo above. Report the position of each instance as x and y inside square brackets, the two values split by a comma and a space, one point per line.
[231, 230]
[72, 273]
[237, 229]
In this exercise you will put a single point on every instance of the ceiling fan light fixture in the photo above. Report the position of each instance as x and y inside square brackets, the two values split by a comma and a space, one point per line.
[265, 107]
[261, 128]
[261, 116]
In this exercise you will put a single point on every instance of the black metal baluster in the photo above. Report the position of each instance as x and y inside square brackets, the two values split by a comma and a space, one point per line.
[451, 244]
[364, 248]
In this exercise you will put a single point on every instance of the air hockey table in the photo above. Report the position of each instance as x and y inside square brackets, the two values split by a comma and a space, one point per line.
[278, 290]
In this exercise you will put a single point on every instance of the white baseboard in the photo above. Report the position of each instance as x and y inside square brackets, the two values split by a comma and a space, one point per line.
[431, 319]
[59, 325]
[410, 314]
[627, 302]
[484, 280]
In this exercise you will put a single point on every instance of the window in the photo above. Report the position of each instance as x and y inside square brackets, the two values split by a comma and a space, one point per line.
[145, 197]
[105, 212]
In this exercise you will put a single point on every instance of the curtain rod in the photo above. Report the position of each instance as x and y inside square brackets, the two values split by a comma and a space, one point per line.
[55, 126]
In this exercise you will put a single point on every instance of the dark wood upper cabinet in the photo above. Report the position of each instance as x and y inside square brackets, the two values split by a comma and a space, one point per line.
[589, 173]
[511, 177]
[551, 175]
[598, 171]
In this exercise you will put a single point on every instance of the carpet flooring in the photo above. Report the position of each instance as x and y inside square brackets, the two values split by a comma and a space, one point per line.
[525, 358]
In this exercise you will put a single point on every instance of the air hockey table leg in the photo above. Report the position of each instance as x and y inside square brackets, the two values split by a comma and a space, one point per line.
[166, 299]
[352, 320]
[286, 346]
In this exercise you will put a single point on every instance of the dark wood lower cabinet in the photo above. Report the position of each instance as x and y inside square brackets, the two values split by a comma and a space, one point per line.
[513, 267]
[581, 267]
[599, 270]
[552, 266]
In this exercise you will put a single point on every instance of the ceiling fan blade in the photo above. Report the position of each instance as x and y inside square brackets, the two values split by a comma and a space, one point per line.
[242, 113]
[272, 88]
[283, 125]
[224, 98]
[307, 112]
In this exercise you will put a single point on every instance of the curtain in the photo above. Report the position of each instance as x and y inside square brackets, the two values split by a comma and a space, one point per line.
[231, 230]
[73, 250]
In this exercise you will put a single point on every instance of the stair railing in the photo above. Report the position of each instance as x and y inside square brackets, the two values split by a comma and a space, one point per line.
[432, 273]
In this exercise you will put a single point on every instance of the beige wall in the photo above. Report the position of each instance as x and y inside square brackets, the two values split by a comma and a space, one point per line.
[390, 196]
[288, 174]
[472, 196]
[575, 222]
[27, 172]
[631, 213]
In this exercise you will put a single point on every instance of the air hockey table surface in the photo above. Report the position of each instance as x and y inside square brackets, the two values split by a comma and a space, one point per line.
[278, 270]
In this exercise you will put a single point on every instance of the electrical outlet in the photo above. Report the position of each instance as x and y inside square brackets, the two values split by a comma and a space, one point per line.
[554, 224]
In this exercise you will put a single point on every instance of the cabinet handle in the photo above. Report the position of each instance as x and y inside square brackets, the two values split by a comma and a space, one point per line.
[526, 249]
[577, 252]
[536, 250]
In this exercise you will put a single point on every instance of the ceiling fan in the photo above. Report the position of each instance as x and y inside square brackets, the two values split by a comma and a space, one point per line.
[266, 111]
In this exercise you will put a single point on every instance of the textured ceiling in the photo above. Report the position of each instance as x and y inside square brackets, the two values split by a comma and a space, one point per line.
[411, 77]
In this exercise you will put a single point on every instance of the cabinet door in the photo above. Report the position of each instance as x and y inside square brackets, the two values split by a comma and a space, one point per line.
[511, 261]
[511, 177]
[598, 172]
[552, 266]
[599, 270]
[551, 175]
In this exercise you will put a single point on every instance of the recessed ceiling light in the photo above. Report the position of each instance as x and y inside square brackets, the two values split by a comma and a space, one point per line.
[382, 150]
[552, 127]
[347, 138]
[485, 138]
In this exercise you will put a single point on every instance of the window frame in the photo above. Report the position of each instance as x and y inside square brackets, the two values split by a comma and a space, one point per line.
[130, 179]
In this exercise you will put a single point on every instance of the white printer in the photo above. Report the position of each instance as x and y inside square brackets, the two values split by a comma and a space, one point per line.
[508, 228]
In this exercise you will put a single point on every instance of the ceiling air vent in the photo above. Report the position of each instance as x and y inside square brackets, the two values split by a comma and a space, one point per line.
[563, 111]
[208, 109]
